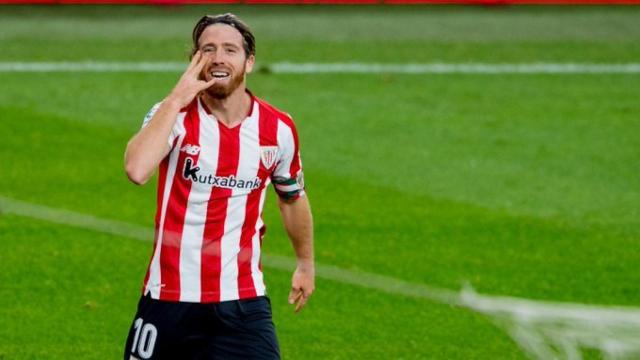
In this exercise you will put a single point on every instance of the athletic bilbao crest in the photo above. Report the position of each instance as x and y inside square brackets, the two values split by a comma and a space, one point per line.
[268, 155]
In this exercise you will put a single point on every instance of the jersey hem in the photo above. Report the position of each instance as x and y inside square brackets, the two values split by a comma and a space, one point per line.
[208, 294]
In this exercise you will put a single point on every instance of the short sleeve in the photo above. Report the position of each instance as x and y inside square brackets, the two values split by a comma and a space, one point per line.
[147, 118]
[288, 178]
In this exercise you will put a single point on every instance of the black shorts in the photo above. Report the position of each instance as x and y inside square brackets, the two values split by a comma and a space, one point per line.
[239, 329]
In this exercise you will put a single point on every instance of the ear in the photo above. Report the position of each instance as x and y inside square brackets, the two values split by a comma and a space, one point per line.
[251, 60]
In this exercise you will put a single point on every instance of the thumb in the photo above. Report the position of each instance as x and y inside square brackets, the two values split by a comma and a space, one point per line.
[208, 84]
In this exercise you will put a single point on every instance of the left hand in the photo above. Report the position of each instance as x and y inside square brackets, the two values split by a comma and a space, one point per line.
[302, 286]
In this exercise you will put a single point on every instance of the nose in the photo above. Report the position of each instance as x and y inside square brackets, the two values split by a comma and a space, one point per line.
[216, 56]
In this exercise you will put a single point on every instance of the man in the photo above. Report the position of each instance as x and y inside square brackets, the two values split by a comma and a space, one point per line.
[217, 147]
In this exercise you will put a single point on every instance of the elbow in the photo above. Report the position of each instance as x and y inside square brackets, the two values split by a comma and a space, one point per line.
[135, 174]
[137, 178]
[134, 169]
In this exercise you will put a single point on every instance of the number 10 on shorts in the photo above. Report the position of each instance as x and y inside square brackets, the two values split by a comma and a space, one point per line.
[144, 339]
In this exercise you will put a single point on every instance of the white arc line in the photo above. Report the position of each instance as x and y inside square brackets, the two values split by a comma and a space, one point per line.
[544, 330]
[119, 228]
[343, 68]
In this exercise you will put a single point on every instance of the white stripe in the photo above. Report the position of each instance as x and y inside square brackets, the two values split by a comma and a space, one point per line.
[195, 217]
[539, 327]
[236, 210]
[286, 149]
[191, 248]
[287, 188]
[154, 282]
[256, 273]
[346, 68]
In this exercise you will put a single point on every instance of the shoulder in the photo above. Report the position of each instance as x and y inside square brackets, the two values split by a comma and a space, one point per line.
[271, 113]
[156, 106]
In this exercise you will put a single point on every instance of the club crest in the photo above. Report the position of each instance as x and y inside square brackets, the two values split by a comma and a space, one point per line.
[268, 155]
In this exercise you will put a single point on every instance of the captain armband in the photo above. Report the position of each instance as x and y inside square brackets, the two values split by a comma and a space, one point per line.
[289, 188]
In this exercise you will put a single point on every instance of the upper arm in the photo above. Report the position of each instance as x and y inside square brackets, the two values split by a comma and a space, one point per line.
[287, 177]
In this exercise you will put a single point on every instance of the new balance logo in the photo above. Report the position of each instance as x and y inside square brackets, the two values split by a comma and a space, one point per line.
[190, 172]
[191, 149]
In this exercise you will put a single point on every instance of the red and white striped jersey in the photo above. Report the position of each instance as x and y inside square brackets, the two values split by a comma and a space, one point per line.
[211, 192]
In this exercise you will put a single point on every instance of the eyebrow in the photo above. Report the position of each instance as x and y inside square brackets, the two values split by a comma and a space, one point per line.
[228, 44]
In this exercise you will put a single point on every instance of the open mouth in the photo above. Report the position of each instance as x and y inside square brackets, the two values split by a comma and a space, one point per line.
[219, 74]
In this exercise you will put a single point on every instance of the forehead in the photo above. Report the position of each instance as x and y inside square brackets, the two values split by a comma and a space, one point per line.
[219, 34]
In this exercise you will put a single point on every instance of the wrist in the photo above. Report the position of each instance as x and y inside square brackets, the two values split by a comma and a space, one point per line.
[307, 265]
[173, 103]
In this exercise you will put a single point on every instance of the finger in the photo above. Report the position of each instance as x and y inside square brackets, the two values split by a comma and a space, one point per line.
[203, 85]
[194, 59]
[208, 84]
[302, 301]
[294, 295]
[306, 292]
[196, 71]
[200, 64]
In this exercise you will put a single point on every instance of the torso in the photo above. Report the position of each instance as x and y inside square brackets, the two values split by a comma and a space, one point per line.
[211, 192]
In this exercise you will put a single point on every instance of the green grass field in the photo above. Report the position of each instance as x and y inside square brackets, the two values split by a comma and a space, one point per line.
[520, 185]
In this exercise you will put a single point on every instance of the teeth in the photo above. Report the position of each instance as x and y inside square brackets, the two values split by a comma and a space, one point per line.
[219, 74]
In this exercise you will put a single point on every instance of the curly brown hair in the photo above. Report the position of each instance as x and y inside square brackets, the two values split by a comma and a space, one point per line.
[248, 40]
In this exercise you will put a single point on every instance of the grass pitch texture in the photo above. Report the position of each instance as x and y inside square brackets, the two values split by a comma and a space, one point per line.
[520, 185]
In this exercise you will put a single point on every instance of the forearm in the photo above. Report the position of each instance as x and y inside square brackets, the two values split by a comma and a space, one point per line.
[146, 149]
[149, 146]
[298, 223]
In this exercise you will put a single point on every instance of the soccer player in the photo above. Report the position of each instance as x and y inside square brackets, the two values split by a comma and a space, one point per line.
[217, 147]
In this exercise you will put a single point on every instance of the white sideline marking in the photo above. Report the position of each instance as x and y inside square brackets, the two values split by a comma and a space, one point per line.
[452, 68]
[351, 68]
[544, 330]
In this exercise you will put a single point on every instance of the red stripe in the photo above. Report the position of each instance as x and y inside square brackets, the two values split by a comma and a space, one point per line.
[285, 120]
[175, 213]
[246, 287]
[269, 137]
[336, 2]
[295, 162]
[228, 157]
[267, 127]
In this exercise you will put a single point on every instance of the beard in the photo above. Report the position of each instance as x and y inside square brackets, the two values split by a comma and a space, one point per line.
[222, 91]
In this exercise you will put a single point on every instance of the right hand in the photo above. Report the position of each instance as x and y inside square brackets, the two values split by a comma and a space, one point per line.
[190, 84]
[302, 286]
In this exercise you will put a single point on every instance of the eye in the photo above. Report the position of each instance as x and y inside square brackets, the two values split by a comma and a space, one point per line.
[207, 49]
[231, 50]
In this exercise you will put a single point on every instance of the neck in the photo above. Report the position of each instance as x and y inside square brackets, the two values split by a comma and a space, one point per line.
[230, 110]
